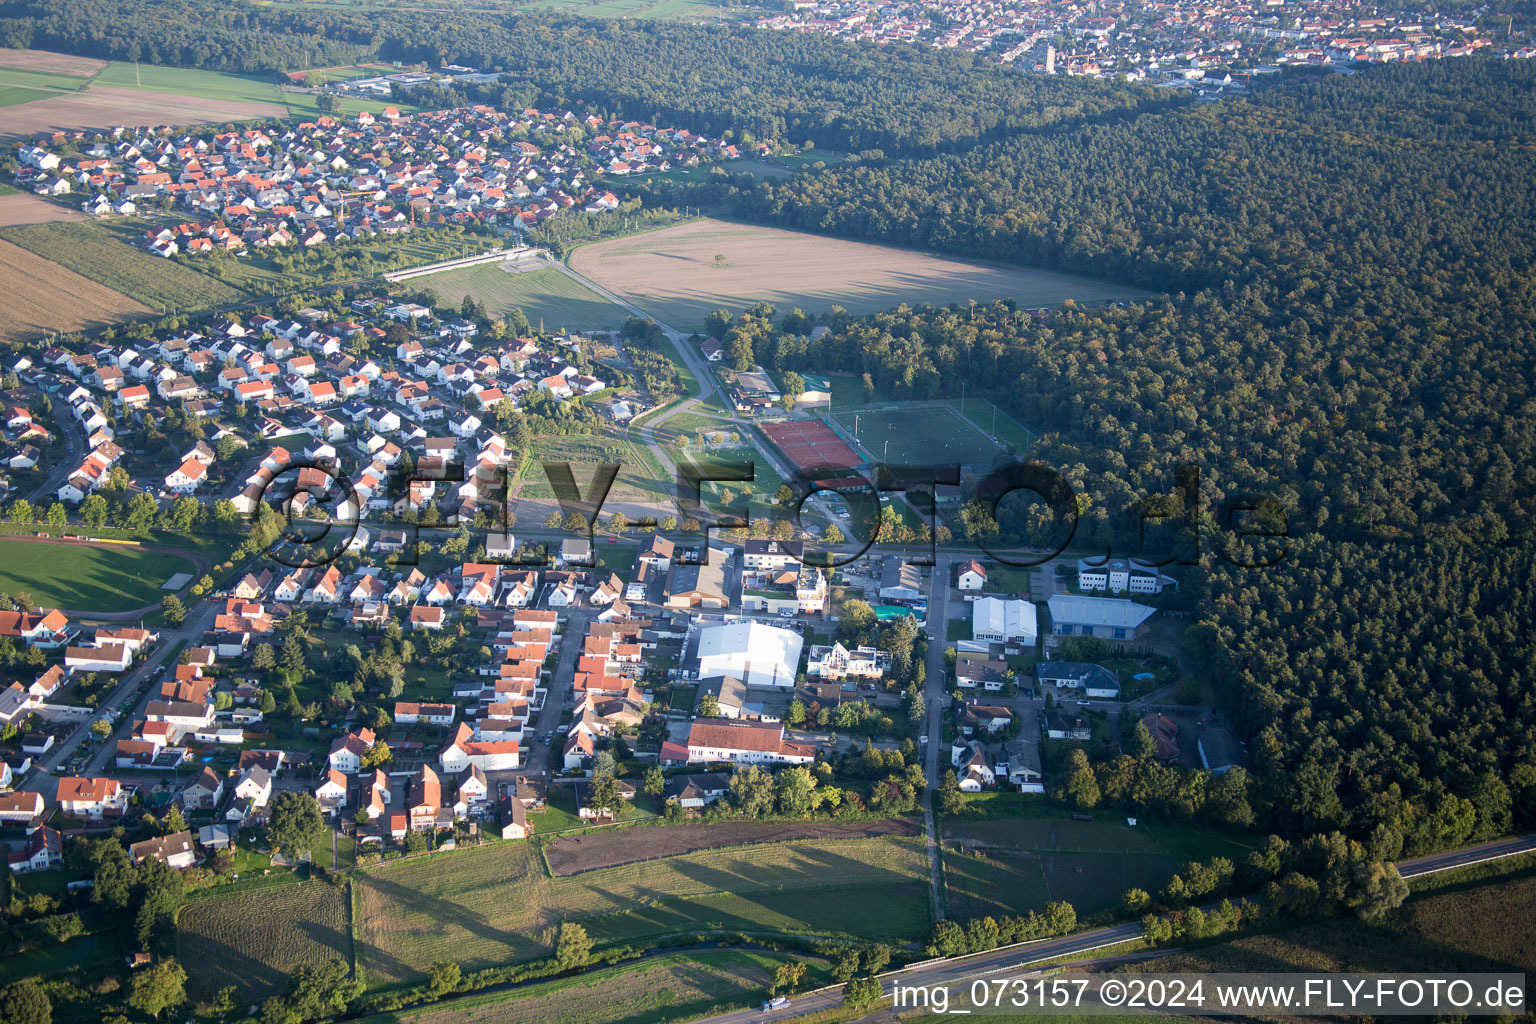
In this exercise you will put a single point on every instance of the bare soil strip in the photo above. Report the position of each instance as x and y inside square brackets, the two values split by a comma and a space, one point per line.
[102, 107]
[44, 60]
[25, 209]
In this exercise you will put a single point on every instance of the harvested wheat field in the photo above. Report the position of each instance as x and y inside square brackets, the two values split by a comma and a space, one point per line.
[682, 273]
[103, 107]
[41, 296]
[45, 60]
[24, 209]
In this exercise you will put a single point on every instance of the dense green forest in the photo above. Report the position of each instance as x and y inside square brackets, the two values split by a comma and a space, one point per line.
[1350, 327]
[1348, 324]
[756, 85]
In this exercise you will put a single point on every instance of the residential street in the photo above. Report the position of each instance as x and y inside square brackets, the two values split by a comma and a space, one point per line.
[41, 780]
[936, 697]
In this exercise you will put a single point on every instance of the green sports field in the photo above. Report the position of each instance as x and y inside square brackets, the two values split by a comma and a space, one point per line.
[919, 434]
[73, 576]
[545, 296]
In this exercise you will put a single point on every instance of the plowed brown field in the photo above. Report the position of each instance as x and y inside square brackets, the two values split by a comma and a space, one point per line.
[41, 296]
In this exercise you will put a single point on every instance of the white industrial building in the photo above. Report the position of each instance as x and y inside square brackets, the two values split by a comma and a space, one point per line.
[757, 654]
[999, 620]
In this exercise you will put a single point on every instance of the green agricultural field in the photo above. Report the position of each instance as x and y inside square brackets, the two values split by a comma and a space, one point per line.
[46, 80]
[252, 940]
[650, 10]
[73, 576]
[217, 85]
[496, 904]
[680, 987]
[638, 479]
[97, 250]
[545, 296]
[214, 85]
[14, 95]
[1028, 852]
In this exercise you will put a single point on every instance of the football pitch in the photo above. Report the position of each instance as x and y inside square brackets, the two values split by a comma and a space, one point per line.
[84, 577]
[919, 434]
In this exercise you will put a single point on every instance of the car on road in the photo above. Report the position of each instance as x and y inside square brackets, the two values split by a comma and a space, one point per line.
[776, 1003]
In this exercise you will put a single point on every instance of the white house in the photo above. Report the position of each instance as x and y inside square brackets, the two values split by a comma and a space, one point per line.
[971, 576]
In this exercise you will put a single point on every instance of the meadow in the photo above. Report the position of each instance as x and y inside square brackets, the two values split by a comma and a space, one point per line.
[680, 274]
[98, 250]
[1019, 854]
[546, 296]
[640, 477]
[680, 987]
[79, 576]
[497, 903]
[252, 940]
[1484, 927]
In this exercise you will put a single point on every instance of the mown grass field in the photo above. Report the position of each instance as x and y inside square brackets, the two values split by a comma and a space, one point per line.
[680, 274]
[545, 296]
[681, 987]
[496, 904]
[253, 940]
[920, 434]
[1027, 853]
[98, 250]
[81, 577]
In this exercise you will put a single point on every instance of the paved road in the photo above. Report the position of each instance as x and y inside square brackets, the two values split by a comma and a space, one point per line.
[74, 452]
[940, 972]
[1416, 867]
[41, 780]
[560, 691]
[936, 698]
[1030, 954]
